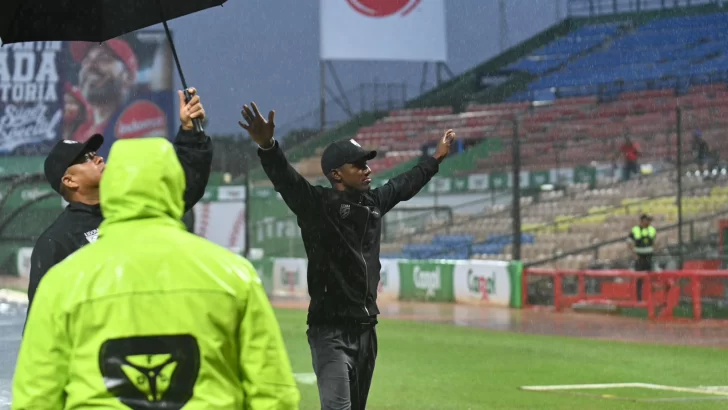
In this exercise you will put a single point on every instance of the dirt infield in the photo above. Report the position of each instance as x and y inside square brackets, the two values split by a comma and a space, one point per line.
[545, 322]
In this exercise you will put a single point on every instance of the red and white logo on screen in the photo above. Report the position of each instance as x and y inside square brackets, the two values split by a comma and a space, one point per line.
[383, 8]
[141, 119]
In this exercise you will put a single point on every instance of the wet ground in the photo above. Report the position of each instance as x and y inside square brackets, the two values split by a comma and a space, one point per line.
[547, 322]
[597, 326]
[12, 317]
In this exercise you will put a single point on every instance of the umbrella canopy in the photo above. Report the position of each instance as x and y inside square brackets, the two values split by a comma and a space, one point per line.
[88, 20]
[93, 20]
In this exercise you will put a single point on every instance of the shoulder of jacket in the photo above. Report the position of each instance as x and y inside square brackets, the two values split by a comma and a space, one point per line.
[369, 195]
[55, 229]
[52, 234]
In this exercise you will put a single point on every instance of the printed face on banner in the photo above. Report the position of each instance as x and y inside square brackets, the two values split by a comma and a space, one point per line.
[30, 96]
[122, 88]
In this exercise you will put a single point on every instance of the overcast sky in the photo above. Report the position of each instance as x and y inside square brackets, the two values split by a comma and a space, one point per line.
[268, 51]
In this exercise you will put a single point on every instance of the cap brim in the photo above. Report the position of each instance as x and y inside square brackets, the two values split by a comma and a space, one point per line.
[366, 155]
[93, 143]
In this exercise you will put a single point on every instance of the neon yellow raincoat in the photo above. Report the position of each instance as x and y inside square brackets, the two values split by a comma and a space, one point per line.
[150, 316]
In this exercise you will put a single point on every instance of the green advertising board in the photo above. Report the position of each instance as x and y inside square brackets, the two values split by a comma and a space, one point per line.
[20, 165]
[264, 267]
[273, 227]
[426, 281]
[472, 282]
[26, 193]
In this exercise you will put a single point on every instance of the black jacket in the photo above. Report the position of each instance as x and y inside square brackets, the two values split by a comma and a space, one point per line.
[78, 224]
[341, 233]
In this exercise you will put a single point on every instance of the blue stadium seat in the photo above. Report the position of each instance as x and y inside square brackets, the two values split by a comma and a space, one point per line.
[453, 240]
[693, 49]
[558, 52]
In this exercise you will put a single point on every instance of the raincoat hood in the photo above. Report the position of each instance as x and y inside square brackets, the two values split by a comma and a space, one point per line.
[143, 180]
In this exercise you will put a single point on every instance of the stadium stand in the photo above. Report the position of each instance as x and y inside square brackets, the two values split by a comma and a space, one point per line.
[549, 140]
[562, 50]
[603, 82]
[672, 53]
[569, 222]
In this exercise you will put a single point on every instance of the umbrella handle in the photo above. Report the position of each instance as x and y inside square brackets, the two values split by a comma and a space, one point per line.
[196, 121]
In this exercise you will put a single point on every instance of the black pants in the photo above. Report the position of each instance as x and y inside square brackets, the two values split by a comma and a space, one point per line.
[630, 167]
[642, 264]
[343, 360]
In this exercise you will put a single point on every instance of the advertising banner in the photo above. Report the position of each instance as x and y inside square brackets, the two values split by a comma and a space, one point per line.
[413, 30]
[426, 281]
[515, 270]
[31, 105]
[289, 277]
[122, 88]
[24, 193]
[264, 268]
[482, 283]
[222, 222]
[23, 261]
[389, 280]
[487, 283]
[221, 216]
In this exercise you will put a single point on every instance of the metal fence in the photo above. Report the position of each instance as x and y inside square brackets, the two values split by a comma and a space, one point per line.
[590, 8]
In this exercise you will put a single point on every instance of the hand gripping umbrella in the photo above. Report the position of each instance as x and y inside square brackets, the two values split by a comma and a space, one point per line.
[93, 20]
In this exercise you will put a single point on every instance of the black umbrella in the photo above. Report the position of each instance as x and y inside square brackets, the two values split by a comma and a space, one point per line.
[93, 20]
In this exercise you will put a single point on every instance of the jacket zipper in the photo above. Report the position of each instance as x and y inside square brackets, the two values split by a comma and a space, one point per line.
[366, 268]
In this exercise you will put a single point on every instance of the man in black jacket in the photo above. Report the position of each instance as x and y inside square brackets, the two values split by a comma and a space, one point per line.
[341, 229]
[74, 171]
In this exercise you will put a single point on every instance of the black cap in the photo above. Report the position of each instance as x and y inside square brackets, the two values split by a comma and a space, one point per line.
[646, 216]
[343, 152]
[64, 154]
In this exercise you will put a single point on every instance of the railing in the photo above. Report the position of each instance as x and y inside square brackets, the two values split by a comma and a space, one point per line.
[607, 91]
[668, 257]
[597, 247]
[590, 8]
[366, 97]
[659, 293]
[507, 195]
[605, 211]
[8, 217]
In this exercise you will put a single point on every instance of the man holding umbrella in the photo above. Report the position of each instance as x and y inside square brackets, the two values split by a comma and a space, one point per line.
[74, 170]
[150, 316]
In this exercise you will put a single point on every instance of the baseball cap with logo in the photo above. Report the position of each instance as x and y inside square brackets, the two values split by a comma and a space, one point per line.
[343, 152]
[119, 48]
[64, 154]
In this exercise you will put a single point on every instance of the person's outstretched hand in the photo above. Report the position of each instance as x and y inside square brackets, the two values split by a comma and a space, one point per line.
[443, 146]
[260, 130]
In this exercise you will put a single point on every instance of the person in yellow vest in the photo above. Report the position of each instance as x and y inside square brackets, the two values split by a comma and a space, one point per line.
[642, 243]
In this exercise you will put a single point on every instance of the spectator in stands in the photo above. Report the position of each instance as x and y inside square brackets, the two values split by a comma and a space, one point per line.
[701, 151]
[630, 152]
[642, 244]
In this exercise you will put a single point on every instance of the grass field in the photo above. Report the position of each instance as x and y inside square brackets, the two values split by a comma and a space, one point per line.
[440, 367]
